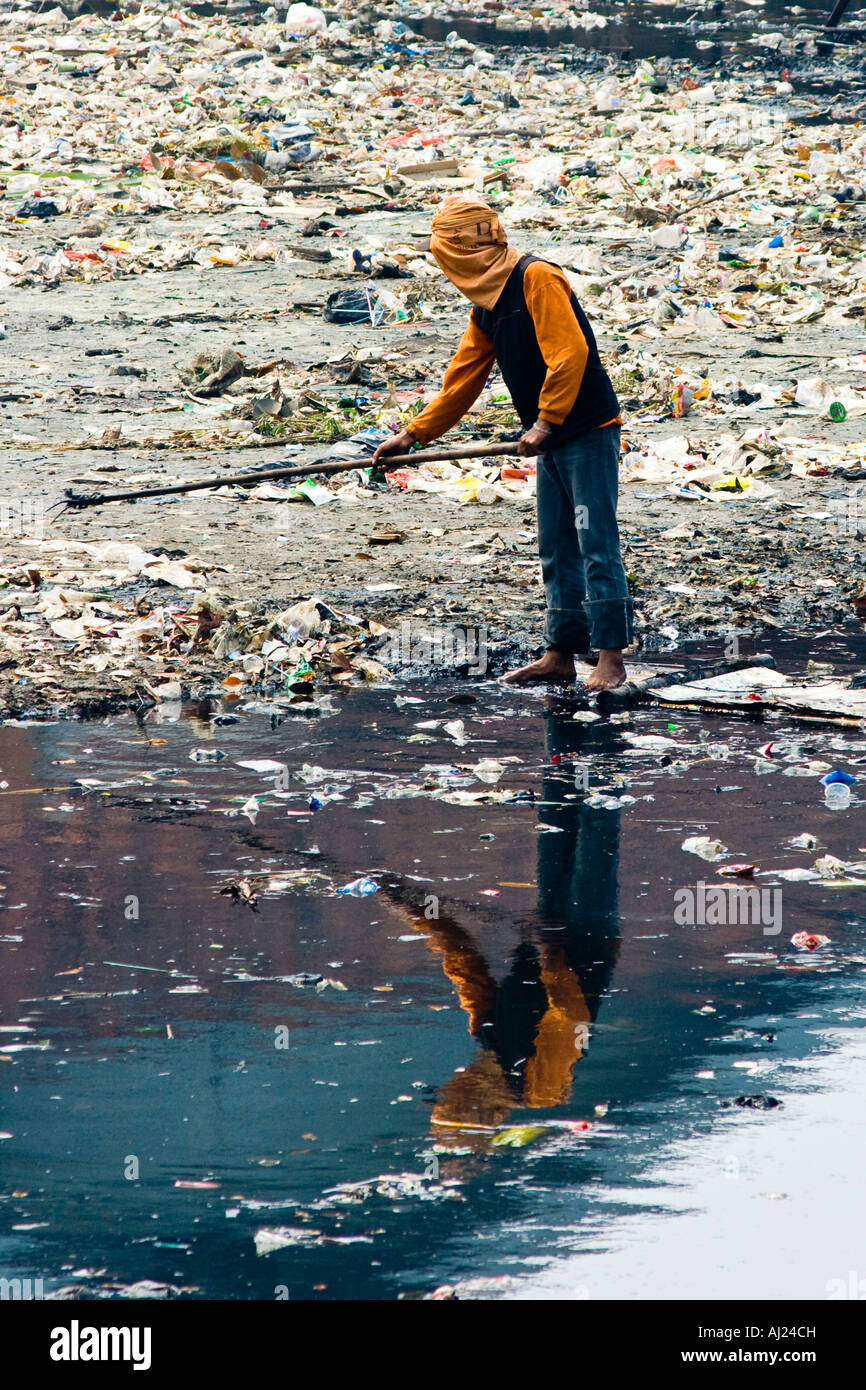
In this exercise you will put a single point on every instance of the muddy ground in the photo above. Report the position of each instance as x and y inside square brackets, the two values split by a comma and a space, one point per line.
[792, 561]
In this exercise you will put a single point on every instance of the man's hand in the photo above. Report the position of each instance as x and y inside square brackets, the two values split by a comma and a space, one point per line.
[400, 444]
[534, 441]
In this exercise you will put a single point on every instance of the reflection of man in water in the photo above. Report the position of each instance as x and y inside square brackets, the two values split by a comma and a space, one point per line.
[534, 1025]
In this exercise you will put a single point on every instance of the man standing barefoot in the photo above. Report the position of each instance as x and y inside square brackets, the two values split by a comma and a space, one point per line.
[527, 320]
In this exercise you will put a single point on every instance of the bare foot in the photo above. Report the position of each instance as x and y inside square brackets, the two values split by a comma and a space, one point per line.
[610, 671]
[553, 666]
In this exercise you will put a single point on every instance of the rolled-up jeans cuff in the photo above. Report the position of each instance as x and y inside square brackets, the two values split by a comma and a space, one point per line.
[611, 622]
[566, 629]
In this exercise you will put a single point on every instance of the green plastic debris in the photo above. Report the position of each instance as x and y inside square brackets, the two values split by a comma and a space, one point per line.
[311, 491]
[518, 1136]
[302, 672]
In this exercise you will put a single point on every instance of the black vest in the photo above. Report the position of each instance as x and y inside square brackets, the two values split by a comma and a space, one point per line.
[509, 327]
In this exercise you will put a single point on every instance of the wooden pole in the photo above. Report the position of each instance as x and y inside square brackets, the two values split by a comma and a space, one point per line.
[77, 501]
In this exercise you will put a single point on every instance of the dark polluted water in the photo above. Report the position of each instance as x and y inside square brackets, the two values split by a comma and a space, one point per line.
[762, 32]
[527, 1064]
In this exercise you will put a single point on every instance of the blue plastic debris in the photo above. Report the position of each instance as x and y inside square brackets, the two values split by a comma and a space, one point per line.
[360, 887]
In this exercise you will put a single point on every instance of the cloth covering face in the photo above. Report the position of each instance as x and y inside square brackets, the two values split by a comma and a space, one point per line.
[469, 245]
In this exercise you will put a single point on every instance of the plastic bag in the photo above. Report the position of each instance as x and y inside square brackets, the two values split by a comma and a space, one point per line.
[355, 305]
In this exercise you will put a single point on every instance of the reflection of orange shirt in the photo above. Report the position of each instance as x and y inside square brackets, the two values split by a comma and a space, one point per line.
[560, 1036]
[558, 1040]
[478, 1096]
[562, 344]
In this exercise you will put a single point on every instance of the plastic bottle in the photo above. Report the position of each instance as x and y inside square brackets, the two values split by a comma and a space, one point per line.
[837, 796]
[360, 888]
[607, 96]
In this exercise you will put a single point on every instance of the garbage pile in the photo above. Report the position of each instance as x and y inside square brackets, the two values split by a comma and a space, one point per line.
[89, 619]
[275, 174]
[186, 114]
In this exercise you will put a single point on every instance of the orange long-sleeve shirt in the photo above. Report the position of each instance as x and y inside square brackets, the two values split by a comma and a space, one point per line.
[563, 347]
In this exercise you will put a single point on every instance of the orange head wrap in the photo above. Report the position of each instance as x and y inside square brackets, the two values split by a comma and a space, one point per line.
[470, 246]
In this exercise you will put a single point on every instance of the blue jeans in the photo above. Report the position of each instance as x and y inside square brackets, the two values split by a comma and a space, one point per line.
[585, 586]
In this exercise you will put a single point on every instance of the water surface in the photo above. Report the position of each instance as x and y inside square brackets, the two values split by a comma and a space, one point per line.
[519, 966]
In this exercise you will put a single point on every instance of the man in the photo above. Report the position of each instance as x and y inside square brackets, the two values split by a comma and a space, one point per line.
[527, 320]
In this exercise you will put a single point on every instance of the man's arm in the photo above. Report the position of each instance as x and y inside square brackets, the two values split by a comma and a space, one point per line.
[563, 346]
[463, 383]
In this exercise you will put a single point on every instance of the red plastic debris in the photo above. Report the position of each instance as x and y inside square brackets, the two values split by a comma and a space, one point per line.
[810, 941]
[400, 476]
